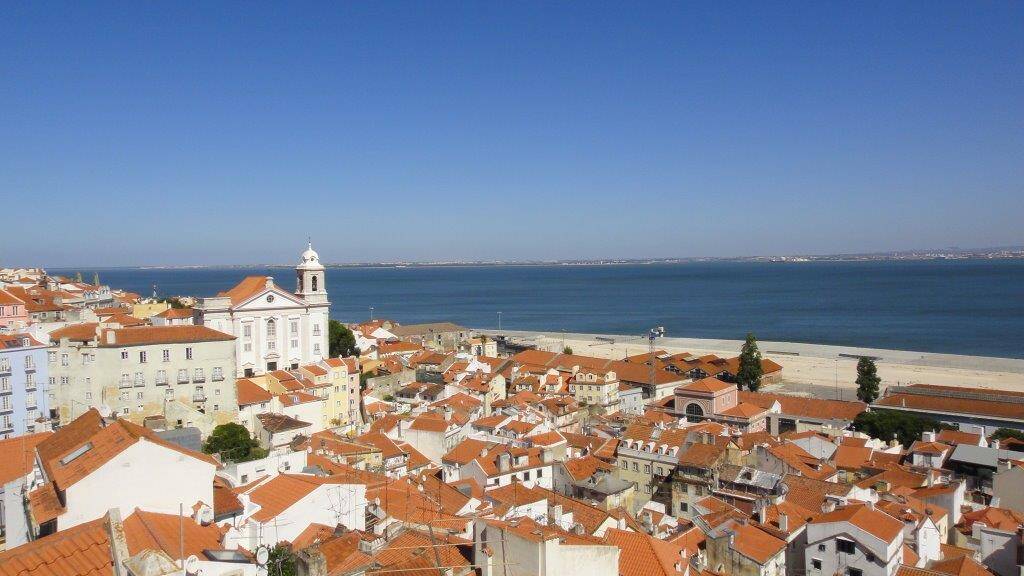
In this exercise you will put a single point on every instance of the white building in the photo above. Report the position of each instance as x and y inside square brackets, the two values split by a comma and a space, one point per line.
[854, 540]
[91, 466]
[275, 329]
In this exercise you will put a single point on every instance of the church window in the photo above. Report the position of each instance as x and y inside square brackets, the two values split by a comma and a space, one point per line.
[271, 328]
[314, 283]
[247, 330]
[316, 329]
[294, 327]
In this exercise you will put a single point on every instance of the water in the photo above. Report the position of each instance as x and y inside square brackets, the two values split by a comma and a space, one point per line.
[963, 307]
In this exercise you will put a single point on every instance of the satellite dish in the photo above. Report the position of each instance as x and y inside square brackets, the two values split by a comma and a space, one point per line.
[262, 555]
[192, 564]
[205, 514]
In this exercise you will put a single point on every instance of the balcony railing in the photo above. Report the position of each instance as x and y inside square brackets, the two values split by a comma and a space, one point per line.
[124, 383]
[199, 397]
[5, 369]
[161, 381]
[182, 379]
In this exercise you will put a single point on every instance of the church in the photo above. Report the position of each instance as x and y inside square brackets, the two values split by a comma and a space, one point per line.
[273, 328]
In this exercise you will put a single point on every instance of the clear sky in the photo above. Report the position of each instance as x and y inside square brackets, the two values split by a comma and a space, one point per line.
[140, 133]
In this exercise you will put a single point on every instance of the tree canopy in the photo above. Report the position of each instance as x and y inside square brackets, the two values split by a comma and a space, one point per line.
[883, 424]
[340, 340]
[1004, 433]
[867, 380]
[750, 371]
[232, 442]
[567, 350]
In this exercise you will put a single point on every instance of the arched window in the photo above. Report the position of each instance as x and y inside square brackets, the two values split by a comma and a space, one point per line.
[314, 282]
[271, 329]
[694, 411]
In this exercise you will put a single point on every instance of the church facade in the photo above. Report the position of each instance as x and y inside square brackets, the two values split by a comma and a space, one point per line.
[274, 329]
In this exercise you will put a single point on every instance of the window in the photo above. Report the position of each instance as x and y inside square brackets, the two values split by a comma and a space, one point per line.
[88, 395]
[625, 465]
[247, 347]
[182, 376]
[636, 467]
[316, 349]
[845, 546]
[124, 354]
[51, 357]
[540, 473]
[167, 355]
[294, 327]
[821, 547]
[315, 277]
[216, 407]
[316, 329]
[64, 359]
[138, 395]
[816, 563]
[854, 572]
[140, 379]
[198, 376]
[295, 343]
[161, 377]
[271, 329]
[247, 330]
[870, 557]
[218, 373]
[526, 475]
[683, 507]
[65, 380]
[142, 356]
[647, 468]
[188, 353]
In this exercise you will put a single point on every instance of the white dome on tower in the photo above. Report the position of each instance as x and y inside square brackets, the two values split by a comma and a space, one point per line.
[310, 260]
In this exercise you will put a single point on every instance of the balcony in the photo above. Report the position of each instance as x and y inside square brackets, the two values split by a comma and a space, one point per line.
[7, 409]
[161, 381]
[31, 387]
[182, 379]
[199, 397]
[199, 379]
[217, 378]
[124, 383]
[30, 369]
[5, 369]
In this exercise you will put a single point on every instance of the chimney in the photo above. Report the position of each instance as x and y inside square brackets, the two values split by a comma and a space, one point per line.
[118, 542]
[556, 514]
[447, 413]
[783, 522]
[504, 461]
[928, 436]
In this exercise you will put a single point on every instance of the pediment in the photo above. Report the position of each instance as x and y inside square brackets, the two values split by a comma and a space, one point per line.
[272, 298]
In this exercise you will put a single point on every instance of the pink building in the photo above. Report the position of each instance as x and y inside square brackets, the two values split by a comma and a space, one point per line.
[13, 313]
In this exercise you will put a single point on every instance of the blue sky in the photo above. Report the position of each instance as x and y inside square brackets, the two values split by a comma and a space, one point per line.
[228, 133]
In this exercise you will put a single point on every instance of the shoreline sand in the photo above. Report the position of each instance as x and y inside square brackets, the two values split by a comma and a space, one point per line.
[818, 370]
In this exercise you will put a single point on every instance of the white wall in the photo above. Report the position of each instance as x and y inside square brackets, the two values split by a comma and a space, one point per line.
[145, 475]
[329, 504]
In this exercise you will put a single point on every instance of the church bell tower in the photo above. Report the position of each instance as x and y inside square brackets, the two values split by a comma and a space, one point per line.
[309, 278]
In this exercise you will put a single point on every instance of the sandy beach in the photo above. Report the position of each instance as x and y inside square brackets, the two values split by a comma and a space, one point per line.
[808, 369]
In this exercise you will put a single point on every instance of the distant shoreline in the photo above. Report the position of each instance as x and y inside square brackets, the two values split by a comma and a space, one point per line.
[1003, 254]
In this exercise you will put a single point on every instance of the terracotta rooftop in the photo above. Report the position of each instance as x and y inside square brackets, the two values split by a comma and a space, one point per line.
[874, 522]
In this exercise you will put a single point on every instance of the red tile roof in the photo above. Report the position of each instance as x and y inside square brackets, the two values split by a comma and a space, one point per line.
[250, 393]
[875, 522]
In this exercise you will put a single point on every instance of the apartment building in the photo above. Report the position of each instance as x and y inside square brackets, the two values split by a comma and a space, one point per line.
[185, 373]
[24, 406]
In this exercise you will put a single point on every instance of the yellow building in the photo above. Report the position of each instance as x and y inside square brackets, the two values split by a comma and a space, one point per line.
[143, 311]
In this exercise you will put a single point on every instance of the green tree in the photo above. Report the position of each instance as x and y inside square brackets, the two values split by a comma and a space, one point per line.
[341, 341]
[887, 424]
[232, 442]
[567, 350]
[750, 371]
[281, 561]
[867, 380]
[95, 278]
[78, 276]
[1004, 433]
